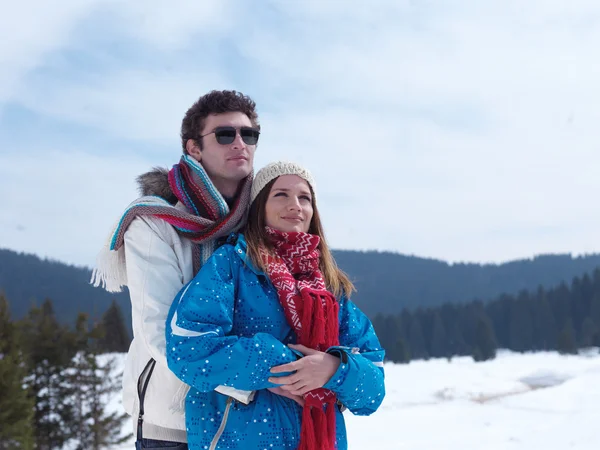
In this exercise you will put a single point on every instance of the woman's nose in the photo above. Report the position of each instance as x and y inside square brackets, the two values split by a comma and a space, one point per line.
[294, 204]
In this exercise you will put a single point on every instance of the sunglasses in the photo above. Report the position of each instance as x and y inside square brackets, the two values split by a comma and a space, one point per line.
[226, 135]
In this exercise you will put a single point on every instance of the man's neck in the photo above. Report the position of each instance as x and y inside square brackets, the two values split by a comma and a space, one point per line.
[227, 188]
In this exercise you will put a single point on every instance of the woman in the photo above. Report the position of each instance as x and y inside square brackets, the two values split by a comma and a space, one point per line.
[269, 314]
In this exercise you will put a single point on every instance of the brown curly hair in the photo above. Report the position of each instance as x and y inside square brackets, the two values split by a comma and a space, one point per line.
[215, 102]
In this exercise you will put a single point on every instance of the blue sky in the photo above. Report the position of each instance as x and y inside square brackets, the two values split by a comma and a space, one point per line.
[459, 130]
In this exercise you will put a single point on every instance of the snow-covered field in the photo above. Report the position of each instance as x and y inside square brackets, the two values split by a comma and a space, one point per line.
[518, 401]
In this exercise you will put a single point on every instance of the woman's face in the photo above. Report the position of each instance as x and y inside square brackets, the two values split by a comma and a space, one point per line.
[289, 205]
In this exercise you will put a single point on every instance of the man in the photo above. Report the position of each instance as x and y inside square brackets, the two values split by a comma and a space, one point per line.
[163, 239]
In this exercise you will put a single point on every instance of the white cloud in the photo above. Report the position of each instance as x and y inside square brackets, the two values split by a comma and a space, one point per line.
[128, 105]
[462, 130]
[169, 26]
[437, 192]
[31, 29]
[62, 204]
[521, 157]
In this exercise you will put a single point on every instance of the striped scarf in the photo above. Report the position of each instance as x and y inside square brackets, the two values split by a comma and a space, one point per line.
[206, 217]
[312, 311]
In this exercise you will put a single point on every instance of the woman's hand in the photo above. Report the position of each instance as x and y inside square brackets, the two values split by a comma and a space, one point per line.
[312, 371]
[278, 391]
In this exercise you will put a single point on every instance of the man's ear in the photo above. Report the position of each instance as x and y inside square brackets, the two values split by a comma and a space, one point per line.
[193, 150]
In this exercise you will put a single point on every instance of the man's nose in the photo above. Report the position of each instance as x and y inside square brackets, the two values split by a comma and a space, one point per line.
[238, 142]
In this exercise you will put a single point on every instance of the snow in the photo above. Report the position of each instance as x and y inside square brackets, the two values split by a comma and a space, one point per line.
[517, 401]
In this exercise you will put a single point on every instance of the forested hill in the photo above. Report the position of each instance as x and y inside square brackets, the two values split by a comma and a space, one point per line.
[386, 282]
[26, 280]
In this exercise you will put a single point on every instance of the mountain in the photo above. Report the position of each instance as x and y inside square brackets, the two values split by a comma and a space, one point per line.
[386, 282]
[28, 280]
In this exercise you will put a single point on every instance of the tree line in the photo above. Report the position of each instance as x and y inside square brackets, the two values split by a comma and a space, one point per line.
[565, 319]
[54, 387]
[386, 282]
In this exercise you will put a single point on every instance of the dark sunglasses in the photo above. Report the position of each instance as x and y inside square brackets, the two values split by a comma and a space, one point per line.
[226, 135]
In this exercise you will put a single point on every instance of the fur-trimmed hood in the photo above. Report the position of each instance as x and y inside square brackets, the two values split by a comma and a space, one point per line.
[156, 182]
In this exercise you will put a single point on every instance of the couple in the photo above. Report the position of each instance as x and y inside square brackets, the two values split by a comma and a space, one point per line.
[241, 318]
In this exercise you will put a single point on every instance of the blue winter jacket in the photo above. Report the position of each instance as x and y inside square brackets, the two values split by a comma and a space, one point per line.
[227, 327]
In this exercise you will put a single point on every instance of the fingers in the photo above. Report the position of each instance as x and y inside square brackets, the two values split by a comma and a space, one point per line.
[298, 388]
[289, 367]
[289, 379]
[303, 349]
[301, 390]
[294, 391]
[297, 398]
[295, 366]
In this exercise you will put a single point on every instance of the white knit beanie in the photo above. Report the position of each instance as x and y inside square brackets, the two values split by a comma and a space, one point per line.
[276, 169]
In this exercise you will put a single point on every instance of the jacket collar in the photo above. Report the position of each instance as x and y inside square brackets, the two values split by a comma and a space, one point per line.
[241, 249]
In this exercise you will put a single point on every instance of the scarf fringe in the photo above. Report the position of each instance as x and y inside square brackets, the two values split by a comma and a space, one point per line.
[318, 429]
[110, 272]
[332, 330]
[308, 439]
[307, 316]
[318, 309]
[331, 424]
[320, 422]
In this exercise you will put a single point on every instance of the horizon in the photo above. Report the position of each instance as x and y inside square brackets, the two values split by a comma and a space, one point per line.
[392, 252]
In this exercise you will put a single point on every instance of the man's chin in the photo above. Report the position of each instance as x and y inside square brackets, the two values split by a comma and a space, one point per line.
[239, 175]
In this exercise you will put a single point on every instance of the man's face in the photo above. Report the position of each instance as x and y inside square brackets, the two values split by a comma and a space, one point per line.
[228, 164]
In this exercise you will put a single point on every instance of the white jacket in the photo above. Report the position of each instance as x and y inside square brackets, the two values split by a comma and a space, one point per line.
[159, 263]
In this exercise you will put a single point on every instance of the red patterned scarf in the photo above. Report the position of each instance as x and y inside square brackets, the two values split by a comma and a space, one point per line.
[312, 311]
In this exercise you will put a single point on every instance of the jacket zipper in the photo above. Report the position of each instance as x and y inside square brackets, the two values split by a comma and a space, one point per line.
[215, 441]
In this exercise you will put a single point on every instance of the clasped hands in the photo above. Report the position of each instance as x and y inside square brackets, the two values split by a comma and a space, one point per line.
[312, 371]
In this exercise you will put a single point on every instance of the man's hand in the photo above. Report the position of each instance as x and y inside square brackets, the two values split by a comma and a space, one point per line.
[312, 371]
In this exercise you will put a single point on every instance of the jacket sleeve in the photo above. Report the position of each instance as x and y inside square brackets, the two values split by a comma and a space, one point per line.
[201, 350]
[359, 380]
[154, 278]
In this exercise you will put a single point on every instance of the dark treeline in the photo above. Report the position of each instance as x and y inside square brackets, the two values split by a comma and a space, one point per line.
[564, 318]
[53, 385]
[389, 282]
[27, 280]
[386, 282]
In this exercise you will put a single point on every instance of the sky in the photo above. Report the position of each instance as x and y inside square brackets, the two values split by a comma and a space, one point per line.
[457, 130]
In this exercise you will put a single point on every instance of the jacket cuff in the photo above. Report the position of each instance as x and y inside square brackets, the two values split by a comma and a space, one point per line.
[244, 397]
[341, 373]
